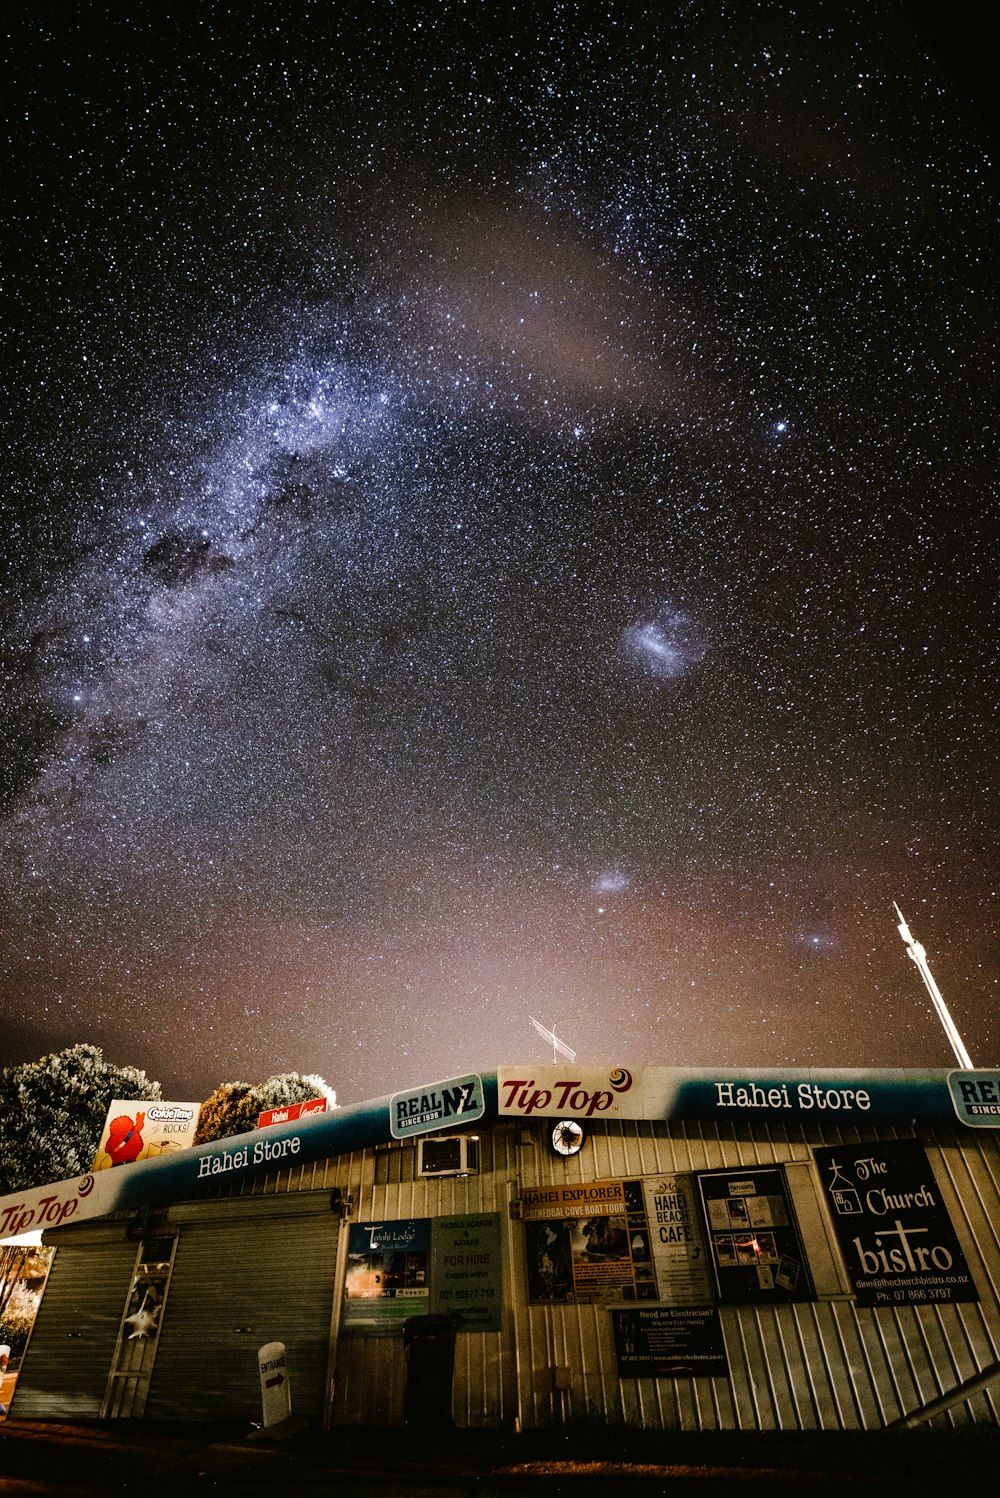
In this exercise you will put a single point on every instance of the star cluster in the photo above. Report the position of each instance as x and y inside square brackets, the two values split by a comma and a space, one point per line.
[499, 520]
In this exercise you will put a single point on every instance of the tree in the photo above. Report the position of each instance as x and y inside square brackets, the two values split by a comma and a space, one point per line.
[22, 1272]
[52, 1112]
[229, 1110]
[234, 1107]
[23, 1268]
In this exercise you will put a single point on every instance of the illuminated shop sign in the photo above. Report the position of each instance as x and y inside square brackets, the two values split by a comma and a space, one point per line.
[768, 1095]
[548, 1092]
[894, 1232]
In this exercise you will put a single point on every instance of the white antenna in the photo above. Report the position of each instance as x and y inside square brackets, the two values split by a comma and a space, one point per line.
[557, 1044]
[919, 956]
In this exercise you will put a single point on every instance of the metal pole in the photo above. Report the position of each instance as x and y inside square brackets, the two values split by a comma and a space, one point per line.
[917, 955]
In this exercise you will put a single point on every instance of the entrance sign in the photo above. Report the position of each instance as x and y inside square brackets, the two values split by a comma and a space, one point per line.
[894, 1232]
[660, 1341]
[275, 1390]
[757, 1253]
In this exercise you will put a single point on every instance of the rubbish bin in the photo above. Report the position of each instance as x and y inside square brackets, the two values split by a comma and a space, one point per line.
[430, 1367]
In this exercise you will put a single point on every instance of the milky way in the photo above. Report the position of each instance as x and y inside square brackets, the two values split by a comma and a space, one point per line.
[498, 520]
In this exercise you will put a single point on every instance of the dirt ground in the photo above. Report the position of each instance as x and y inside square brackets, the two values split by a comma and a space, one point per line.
[77, 1461]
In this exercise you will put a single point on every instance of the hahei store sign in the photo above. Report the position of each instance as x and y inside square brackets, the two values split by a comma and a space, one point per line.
[894, 1232]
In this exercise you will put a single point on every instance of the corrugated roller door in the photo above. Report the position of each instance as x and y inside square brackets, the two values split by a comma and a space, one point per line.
[73, 1341]
[236, 1284]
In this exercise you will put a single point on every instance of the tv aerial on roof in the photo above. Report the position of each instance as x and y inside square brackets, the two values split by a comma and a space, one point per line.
[558, 1046]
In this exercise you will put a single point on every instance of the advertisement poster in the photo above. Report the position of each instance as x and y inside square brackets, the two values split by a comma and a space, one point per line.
[894, 1232]
[387, 1275]
[656, 1341]
[617, 1240]
[465, 1269]
[756, 1250]
[588, 1243]
[406, 1268]
[680, 1257]
[144, 1131]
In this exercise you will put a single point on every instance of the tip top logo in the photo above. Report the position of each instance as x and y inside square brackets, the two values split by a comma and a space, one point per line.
[569, 1095]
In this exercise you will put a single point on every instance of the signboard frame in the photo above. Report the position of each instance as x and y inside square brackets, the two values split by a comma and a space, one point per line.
[755, 1246]
[669, 1342]
[895, 1234]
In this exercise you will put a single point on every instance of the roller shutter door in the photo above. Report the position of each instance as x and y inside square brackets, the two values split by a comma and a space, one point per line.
[238, 1282]
[73, 1341]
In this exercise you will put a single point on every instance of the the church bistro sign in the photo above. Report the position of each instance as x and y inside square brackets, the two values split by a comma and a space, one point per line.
[894, 1232]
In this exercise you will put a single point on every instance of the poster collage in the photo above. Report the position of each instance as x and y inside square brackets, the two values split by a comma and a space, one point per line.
[616, 1241]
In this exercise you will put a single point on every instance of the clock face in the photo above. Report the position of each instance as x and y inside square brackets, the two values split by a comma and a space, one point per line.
[567, 1137]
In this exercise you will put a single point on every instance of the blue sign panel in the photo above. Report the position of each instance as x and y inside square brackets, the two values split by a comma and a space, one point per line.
[976, 1096]
[442, 1105]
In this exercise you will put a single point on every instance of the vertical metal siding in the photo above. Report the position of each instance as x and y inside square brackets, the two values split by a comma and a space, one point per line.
[73, 1340]
[241, 1279]
[826, 1364]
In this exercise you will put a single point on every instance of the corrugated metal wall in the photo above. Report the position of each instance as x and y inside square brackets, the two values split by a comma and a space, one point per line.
[826, 1364]
[240, 1279]
[69, 1354]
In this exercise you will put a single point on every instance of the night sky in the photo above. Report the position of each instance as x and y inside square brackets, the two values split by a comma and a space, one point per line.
[498, 520]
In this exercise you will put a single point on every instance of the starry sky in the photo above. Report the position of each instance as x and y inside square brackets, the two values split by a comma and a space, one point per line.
[498, 520]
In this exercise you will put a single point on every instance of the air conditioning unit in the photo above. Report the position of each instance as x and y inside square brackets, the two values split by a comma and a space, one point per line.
[454, 1155]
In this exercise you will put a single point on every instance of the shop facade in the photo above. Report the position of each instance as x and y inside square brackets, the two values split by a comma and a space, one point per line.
[660, 1248]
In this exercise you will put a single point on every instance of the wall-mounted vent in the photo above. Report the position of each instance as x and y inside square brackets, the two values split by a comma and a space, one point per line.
[456, 1155]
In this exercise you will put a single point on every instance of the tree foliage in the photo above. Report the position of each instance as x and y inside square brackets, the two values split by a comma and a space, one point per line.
[234, 1107]
[229, 1110]
[52, 1112]
[22, 1273]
